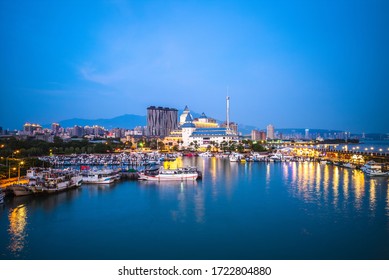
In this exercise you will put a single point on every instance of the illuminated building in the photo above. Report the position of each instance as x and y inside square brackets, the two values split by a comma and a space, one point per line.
[187, 130]
[204, 136]
[204, 122]
[31, 129]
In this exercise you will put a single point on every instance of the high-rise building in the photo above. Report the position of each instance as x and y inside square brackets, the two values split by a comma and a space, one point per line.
[257, 135]
[78, 131]
[31, 129]
[270, 132]
[161, 121]
[55, 128]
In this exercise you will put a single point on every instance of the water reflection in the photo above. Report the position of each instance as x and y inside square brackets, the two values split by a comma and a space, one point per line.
[318, 198]
[326, 182]
[335, 183]
[387, 201]
[346, 184]
[318, 178]
[17, 229]
[358, 182]
[372, 200]
[267, 174]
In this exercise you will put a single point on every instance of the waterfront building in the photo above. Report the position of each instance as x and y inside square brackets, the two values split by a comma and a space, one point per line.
[207, 136]
[204, 122]
[183, 115]
[204, 136]
[187, 128]
[270, 132]
[161, 121]
[174, 139]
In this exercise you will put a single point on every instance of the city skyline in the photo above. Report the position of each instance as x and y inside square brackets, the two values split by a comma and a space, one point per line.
[309, 65]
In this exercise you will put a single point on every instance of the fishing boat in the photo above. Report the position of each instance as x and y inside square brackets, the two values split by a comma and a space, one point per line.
[47, 181]
[162, 174]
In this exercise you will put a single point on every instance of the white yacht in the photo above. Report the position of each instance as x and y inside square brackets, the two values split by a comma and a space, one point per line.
[236, 157]
[206, 154]
[161, 174]
[373, 168]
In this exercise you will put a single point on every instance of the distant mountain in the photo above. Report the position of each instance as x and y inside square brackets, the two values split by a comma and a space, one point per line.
[125, 121]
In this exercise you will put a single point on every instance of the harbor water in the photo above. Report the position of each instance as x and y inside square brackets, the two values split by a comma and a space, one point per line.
[288, 210]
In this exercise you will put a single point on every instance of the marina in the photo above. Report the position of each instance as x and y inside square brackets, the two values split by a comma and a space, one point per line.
[251, 210]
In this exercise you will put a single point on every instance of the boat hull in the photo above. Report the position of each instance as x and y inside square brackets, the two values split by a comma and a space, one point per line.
[186, 177]
[19, 190]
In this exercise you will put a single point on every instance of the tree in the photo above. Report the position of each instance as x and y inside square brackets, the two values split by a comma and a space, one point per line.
[175, 148]
[256, 147]
[161, 146]
[196, 145]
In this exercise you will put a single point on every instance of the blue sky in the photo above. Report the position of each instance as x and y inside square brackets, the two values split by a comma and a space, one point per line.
[307, 64]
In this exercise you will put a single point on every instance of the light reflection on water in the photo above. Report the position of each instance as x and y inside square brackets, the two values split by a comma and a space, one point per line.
[17, 229]
[336, 185]
[346, 184]
[251, 204]
[358, 185]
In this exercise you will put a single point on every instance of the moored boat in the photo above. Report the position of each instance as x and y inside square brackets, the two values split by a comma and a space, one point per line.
[373, 168]
[349, 165]
[95, 177]
[21, 189]
[161, 174]
[47, 181]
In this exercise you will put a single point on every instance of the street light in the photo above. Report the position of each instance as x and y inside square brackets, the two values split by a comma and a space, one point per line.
[9, 171]
[13, 154]
[20, 163]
